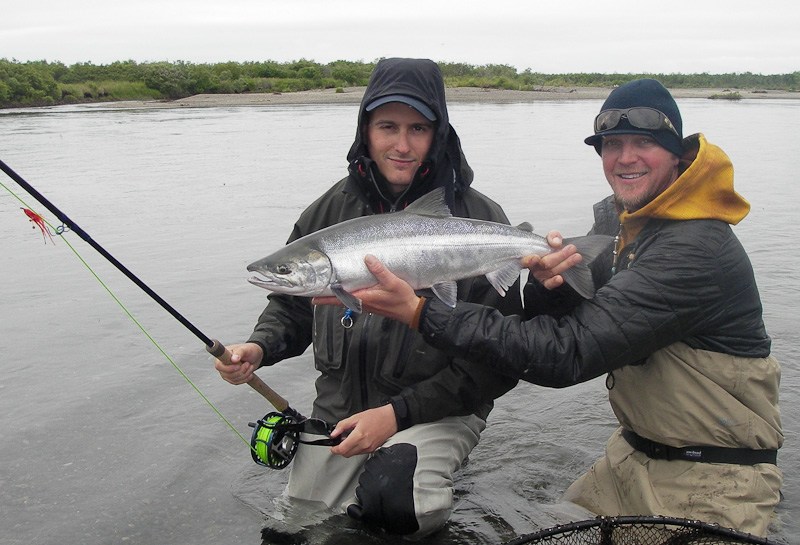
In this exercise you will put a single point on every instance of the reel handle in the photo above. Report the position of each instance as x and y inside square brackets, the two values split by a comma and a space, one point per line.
[219, 351]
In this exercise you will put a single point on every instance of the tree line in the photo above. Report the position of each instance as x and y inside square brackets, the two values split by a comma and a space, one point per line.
[43, 83]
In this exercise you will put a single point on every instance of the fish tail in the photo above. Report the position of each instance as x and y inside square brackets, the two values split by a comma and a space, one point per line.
[580, 276]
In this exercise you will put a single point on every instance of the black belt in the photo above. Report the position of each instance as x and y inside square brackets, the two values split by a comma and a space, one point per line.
[715, 455]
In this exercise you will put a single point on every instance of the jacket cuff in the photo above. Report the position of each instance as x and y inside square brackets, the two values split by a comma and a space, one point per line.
[263, 349]
[434, 317]
[401, 413]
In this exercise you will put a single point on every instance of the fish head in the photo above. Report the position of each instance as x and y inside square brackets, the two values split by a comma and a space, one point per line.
[305, 272]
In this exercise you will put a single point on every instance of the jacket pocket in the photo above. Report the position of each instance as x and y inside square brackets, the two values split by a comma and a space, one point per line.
[405, 358]
[330, 339]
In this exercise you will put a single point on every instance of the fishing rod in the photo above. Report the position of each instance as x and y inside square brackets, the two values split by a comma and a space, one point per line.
[213, 346]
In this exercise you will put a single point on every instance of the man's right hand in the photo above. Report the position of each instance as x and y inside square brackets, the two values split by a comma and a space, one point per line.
[245, 359]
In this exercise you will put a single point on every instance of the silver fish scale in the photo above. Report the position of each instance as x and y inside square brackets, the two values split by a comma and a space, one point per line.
[425, 250]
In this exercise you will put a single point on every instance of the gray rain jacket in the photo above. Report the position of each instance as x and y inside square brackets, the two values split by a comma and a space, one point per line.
[379, 361]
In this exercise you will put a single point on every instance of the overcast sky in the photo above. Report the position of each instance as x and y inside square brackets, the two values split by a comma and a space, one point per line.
[553, 36]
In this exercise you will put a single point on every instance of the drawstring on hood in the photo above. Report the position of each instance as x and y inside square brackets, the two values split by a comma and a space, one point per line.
[445, 166]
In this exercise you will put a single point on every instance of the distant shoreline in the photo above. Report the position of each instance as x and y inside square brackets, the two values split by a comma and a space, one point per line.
[353, 95]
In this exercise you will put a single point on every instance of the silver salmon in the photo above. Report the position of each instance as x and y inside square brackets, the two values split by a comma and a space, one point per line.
[424, 245]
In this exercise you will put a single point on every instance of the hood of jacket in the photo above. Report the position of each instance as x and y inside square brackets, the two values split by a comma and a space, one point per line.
[704, 190]
[445, 165]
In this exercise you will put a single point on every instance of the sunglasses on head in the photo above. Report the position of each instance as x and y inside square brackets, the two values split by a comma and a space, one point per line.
[640, 117]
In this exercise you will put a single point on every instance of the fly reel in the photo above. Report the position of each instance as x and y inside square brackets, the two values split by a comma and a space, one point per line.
[276, 437]
[273, 444]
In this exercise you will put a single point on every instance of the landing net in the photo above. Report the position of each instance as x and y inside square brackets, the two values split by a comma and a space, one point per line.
[639, 530]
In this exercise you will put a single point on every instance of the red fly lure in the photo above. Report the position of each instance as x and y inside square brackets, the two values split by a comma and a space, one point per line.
[37, 220]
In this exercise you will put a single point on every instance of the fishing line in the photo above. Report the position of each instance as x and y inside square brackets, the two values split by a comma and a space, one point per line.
[273, 439]
[213, 347]
[85, 236]
[59, 231]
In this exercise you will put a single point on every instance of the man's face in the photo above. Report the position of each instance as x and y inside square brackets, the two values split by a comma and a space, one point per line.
[398, 140]
[637, 168]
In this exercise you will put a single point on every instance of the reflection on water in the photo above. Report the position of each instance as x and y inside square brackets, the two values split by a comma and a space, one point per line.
[103, 441]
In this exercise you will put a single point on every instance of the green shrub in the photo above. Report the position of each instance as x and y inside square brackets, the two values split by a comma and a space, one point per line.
[729, 95]
[42, 82]
[107, 90]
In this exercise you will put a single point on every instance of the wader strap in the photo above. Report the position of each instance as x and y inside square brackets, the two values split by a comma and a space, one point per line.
[715, 455]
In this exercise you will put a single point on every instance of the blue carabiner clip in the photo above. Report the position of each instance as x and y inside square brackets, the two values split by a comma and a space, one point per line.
[347, 319]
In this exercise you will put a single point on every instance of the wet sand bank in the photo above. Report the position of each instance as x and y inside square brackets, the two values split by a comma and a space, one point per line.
[352, 95]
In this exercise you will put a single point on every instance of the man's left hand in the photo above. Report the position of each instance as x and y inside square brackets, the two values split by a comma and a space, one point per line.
[365, 431]
[547, 269]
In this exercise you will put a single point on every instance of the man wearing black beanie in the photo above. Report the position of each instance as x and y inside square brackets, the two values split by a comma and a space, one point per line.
[675, 325]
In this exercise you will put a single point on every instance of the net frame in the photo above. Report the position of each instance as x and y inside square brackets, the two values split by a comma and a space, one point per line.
[640, 530]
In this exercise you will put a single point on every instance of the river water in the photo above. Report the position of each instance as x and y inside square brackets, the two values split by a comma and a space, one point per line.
[102, 440]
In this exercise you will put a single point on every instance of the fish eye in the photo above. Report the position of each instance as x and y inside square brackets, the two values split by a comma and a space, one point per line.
[283, 268]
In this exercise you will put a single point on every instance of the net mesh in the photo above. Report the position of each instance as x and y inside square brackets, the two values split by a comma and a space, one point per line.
[639, 531]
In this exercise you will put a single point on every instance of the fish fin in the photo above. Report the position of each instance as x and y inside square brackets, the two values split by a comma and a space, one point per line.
[591, 246]
[525, 226]
[348, 299]
[447, 292]
[432, 203]
[580, 276]
[504, 277]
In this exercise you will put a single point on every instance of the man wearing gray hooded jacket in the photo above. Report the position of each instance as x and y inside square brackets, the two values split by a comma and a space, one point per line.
[408, 413]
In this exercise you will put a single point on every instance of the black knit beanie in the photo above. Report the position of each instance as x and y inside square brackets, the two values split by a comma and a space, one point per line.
[647, 93]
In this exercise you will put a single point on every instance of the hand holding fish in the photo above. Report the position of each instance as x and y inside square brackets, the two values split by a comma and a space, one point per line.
[547, 269]
[392, 296]
[245, 359]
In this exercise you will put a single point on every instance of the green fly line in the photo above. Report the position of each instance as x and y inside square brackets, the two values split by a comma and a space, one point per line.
[133, 319]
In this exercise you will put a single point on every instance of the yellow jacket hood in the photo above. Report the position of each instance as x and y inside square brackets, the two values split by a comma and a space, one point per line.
[704, 190]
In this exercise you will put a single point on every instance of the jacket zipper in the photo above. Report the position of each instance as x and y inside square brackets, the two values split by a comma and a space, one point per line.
[362, 361]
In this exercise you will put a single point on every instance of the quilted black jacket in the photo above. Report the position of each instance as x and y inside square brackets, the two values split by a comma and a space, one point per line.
[679, 280]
